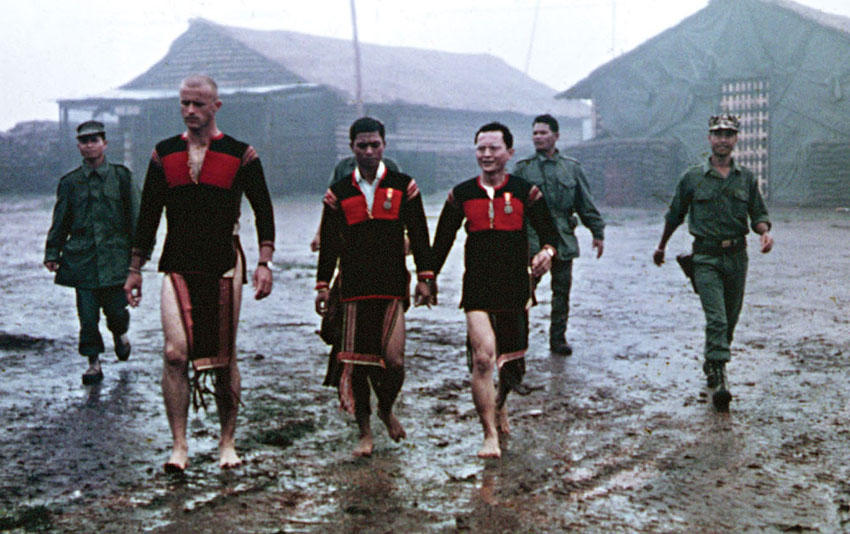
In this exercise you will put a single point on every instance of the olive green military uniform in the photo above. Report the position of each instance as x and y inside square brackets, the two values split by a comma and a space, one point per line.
[93, 221]
[717, 209]
[567, 194]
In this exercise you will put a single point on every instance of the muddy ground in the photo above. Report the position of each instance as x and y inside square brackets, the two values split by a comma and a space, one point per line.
[620, 437]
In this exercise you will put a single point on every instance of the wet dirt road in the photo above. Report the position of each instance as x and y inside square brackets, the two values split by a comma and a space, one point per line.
[620, 437]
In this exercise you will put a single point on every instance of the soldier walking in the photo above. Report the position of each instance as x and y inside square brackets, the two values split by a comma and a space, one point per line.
[718, 197]
[567, 194]
[88, 244]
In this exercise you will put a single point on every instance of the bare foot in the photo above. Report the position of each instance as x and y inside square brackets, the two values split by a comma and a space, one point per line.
[178, 461]
[395, 429]
[364, 446]
[502, 421]
[227, 457]
[490, 449]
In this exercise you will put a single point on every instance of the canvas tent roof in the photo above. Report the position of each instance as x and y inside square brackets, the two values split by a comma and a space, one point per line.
[243, 57]
[669, 86]
[701, 31]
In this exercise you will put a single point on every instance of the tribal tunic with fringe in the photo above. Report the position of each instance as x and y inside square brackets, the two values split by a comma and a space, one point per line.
[496, 276]
[369, 244]
[202, 197]
[201, 213]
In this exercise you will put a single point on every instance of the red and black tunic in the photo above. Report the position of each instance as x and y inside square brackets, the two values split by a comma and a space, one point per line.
[496, 254]
[370, 243]
[201, 216]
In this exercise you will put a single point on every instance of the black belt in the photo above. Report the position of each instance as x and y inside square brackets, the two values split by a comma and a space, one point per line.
[719, 247]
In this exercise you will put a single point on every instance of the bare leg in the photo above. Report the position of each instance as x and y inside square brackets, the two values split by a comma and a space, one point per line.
[175, 378]
[388, 388]
[502, 409]
[502, 423]
[228, 387]
[483, 341]
[362, 410]
[94, 364]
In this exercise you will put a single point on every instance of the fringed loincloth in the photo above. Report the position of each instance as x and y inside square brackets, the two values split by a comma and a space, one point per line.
[511, 330]
[367, 326]
[206, 304]
[331, 333]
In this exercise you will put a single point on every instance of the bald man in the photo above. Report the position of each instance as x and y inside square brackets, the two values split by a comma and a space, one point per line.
[198, 177]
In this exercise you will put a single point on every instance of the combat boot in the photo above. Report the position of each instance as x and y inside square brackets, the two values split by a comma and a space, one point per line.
[712, 376]
[122, 347]
[722, 397]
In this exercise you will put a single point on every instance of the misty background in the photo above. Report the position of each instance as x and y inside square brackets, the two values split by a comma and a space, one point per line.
[56, 50]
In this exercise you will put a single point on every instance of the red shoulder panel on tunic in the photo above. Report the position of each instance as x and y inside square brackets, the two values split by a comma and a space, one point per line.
[219, 169]
[382, 195]
[355, 210]
[477, 211]
[176, 169]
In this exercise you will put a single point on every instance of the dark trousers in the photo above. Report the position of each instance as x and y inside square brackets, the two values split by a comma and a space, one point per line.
[113, 302]
[562, 281]
[720, 281]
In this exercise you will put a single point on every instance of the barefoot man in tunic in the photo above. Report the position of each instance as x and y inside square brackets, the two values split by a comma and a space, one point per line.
[363, 226]
[496, 282]
[199, 177]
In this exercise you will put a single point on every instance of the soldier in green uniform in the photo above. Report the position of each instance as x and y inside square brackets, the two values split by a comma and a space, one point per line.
[718, 197]
[88, 245]
[567, 194]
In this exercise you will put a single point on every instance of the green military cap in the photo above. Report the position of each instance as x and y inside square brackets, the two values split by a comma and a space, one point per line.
[90, 128]
[724, 121]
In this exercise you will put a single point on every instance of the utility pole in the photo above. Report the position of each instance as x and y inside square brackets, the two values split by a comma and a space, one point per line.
[533, 32]
[358, 102]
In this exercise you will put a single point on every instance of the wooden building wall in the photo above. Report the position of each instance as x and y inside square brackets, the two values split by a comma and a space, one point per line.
[293, 133]
[631, 172]
[436, 146]
[300, 136]
[826, 174]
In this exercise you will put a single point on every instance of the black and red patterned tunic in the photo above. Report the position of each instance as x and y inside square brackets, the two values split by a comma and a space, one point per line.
[201, 216]
[496, 276]
[370, 243]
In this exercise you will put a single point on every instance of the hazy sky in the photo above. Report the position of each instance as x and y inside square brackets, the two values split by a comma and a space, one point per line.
[55, 49]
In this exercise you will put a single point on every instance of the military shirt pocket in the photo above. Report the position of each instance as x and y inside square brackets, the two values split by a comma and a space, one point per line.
[112, 190]
[113, 207]
[79, 209]
[738, 199]
[703, 195]
[704, 207]
[566, 193]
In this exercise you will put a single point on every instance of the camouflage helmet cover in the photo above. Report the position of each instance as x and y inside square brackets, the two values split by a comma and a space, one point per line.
[724, 121]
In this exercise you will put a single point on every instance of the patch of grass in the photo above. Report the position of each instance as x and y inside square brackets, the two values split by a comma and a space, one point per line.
[285, 435]
[30, 518]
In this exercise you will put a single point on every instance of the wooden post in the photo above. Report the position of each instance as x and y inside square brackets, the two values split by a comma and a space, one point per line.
[358, 102]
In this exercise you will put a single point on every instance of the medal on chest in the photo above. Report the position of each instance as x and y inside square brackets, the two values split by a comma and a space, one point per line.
[508, 208]
[388, 203]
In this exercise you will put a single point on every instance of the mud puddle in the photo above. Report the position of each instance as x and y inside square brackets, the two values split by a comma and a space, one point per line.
[619, 437]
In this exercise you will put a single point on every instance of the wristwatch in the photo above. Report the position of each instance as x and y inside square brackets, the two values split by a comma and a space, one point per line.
[267, 264]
